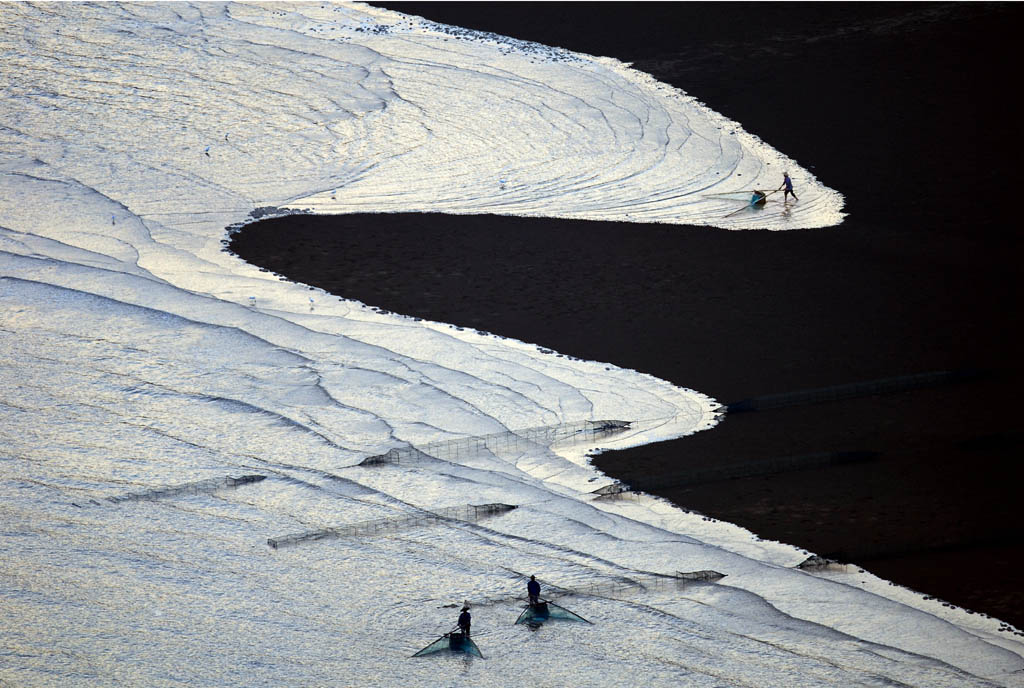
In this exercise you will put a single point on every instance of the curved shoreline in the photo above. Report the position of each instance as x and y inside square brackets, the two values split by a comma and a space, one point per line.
[693, 306]
[913, 281]
[917, 278]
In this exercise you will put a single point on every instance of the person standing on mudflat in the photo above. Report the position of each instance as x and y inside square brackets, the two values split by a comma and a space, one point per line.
[788, 183]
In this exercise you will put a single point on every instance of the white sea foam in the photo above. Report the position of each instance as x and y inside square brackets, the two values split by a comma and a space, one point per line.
[138, 358]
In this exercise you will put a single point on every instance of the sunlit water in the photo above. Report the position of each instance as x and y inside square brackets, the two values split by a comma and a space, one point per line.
[136, 357]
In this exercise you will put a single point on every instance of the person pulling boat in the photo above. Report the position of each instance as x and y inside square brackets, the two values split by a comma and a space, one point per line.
[788, 183]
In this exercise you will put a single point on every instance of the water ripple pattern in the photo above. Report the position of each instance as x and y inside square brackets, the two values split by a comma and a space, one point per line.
[144, 372]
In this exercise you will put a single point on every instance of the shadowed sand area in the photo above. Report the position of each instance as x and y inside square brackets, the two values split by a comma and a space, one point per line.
[919, 486]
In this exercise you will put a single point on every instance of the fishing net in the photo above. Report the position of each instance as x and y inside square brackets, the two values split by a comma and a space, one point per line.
[538, 613]
[454, 642]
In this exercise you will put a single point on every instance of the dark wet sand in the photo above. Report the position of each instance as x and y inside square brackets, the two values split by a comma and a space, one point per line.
[898, 107]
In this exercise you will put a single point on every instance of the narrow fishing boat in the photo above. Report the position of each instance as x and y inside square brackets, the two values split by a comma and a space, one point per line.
[751, 200]
[757, 199]
[454, 641]
[536, 614]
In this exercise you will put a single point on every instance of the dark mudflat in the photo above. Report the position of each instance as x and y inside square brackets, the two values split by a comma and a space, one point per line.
[906, 109]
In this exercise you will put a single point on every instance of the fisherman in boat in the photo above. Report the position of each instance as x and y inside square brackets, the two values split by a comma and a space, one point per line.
[788, 183]
[533, 588]
[464, 621]
[758, 198]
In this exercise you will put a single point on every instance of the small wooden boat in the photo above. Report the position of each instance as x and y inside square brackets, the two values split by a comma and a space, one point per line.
[751, 200]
